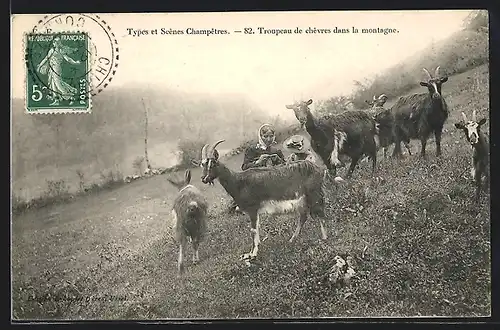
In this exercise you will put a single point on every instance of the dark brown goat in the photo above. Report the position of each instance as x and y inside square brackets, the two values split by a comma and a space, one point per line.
[269, 190]
[480, 149]
[350, 133]
[385, 130]
[417, 116]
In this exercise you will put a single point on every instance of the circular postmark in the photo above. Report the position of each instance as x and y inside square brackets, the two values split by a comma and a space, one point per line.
[100, 54]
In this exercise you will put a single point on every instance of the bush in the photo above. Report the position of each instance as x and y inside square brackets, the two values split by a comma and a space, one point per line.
[57, 188]
[111, 178]
[189, 150]
[137, 164]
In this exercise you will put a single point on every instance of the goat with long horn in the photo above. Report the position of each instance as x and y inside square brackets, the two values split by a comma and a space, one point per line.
[278, 189]
[417, 116]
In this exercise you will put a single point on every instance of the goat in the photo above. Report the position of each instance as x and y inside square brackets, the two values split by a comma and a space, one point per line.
[480, 146]
[384, 122]
[384, 119]
[350, 133]
[416, 116]
[279, 189]
[189, 217]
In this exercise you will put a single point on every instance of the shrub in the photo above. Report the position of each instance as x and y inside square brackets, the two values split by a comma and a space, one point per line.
[189, 150]
[111, 178]
[57, 188]
[137, 164]
[81, 180]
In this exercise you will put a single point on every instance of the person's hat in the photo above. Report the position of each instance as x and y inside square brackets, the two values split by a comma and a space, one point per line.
[297, 144]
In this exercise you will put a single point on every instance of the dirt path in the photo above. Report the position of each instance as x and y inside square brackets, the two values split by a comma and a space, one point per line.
[100, 230]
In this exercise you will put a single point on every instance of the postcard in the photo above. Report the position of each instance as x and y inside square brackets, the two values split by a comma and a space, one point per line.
[250, 165]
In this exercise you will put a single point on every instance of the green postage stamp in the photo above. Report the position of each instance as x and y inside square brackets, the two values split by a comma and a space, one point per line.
[58, 73]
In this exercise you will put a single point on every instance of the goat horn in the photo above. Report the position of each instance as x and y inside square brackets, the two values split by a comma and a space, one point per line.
[474, 115]
[212, 149]
[427, 72]
[464, 116]
[204, 152]
[436, 73]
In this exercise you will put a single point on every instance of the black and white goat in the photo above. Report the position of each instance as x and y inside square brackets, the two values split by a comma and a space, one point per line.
[279, 189]
[350, 133]
[189, 217]
[417, 116]
[480, 149]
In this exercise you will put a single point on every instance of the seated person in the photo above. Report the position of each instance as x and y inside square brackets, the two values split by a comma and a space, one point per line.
[300, 149]
[263, 154]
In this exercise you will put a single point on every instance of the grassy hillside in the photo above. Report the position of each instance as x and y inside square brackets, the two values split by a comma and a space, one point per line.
[421, 246]
[111, 139]
[462, 51]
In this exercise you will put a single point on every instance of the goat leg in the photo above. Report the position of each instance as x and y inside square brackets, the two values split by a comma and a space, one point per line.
[423, 141]
[321, 221]
[254, 223]
[180, 260]
[437, 135]
[354, 162]
[408, 147]
[477, 180]
[300, 221]
[196, 256]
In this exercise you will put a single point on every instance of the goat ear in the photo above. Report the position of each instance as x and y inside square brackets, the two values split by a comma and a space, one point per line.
[187, 177]
[195, 162]
[288, 106]
[423, 83]
[444, 79]
[309, 102]
[216, 154]
[482, 121]
[460, 125]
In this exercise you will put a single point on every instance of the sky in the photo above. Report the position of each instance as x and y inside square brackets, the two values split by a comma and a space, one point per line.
[271, 70]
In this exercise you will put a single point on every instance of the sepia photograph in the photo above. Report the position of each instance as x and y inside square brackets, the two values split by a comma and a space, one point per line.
[250, 165]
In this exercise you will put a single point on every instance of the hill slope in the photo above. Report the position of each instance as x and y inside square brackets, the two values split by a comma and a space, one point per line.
[421, 247]
[54, 148]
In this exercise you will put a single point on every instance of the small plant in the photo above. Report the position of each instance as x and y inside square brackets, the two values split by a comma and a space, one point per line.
[81, 180]
[57, 188]
[111, 178]
[138, 165]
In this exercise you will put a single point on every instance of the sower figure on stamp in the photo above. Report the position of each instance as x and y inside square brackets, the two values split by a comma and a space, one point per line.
[264, 154]
[300, 149]
[51, 66]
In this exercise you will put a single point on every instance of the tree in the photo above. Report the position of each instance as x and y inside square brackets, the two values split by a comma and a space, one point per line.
[477, 20]
[146, 134]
